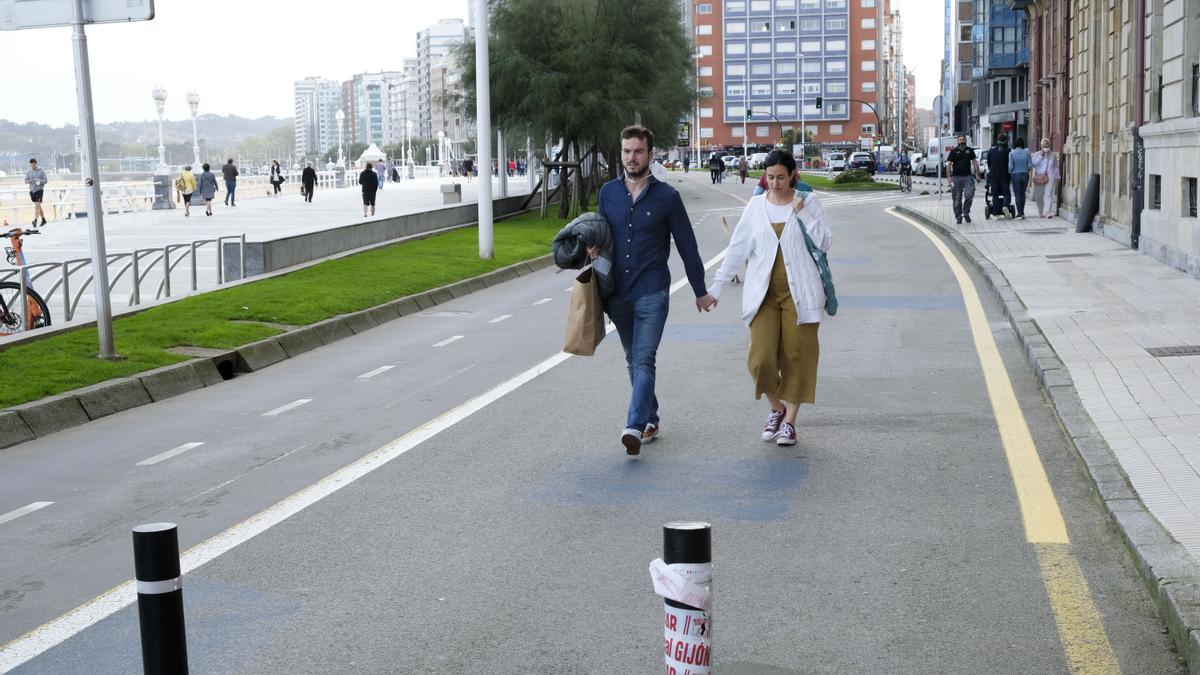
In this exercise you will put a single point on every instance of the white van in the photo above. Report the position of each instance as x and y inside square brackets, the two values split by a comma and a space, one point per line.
[837, 161]
[935, 154]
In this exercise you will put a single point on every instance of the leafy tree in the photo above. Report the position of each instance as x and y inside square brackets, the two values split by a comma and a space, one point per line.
[581, 70]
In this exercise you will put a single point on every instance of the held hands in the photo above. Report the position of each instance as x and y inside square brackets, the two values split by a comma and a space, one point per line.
[706, 303]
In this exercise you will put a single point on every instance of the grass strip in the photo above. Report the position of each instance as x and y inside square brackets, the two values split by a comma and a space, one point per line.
[68, 361]
[828, 184]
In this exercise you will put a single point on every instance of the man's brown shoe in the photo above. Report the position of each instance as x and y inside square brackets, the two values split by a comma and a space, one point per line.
[650, 433]
[632, 440]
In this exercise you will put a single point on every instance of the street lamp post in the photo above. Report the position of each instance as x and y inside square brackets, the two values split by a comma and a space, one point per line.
[193, 101]
[407, 143]
[160, 102]
[441, 150]
[341, 118]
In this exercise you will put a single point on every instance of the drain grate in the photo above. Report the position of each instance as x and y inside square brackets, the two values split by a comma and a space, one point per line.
[1185, 350]
[1056, 256]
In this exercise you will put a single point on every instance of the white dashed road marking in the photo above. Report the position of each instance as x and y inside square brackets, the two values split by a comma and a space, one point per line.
[453, 338]
[368, 375]
[169, 454]
[285, 408]
[541, 302]
[13, 515]
[501, 318]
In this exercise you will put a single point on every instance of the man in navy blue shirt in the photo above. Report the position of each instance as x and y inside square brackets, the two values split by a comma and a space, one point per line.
[643, 215]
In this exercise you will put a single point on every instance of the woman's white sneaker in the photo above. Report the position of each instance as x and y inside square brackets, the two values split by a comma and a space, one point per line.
[771, 429]
[787, 435]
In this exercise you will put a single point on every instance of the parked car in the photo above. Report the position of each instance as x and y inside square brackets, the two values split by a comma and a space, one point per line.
[863, 160]
[731, 161]
[837, 161]
[757, 159]
[918, 164]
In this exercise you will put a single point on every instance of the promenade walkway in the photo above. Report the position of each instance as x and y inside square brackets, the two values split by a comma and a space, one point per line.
[1112, 316]
[257, 216]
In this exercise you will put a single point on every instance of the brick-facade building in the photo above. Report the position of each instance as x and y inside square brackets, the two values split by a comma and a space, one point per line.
[775, 58]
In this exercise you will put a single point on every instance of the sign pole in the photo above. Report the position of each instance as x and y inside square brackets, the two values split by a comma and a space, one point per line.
[483, 116]
[91, 176]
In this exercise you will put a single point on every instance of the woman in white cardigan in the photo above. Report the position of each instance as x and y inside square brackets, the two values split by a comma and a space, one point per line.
[782, 299]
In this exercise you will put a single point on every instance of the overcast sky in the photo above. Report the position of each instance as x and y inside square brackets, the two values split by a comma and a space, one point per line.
[242, 56]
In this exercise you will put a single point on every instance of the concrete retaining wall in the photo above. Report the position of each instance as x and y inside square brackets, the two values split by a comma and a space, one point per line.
[268, 256]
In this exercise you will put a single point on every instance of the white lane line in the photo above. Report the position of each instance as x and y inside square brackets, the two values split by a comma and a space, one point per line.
[501, 318]
[57, 631]
[169, 454]
[368, 375]
[568, 289]
[24, 510]
[284, 408]
[452, 338]
[541, 302]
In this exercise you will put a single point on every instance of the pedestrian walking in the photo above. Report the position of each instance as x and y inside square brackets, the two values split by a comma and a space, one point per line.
[962, 166]
[467, 167]
[369, 180]
[308, 182]
[276, 178]
[999, 181]
[186, 185]
[230, 172]
[1045, 177]
[1019, 164]
[743, 169]
[687, 163]
[208, 188]
[36, 179]
[644, 215]
[714, 168]
[783, 299]
[381, 173]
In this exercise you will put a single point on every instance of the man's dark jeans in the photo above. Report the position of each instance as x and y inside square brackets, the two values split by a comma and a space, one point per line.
[640, 324]
[1020, 181]
[230, 186]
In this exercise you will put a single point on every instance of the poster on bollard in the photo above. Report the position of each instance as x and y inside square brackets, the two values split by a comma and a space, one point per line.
[687, 615]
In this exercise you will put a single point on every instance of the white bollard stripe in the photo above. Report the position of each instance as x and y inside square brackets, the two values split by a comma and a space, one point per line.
[159, 587]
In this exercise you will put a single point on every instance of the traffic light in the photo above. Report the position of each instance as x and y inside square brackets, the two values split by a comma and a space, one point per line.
[749, 113]
[819, 99]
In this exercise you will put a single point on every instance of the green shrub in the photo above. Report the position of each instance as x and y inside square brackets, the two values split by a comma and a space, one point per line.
[854, 176]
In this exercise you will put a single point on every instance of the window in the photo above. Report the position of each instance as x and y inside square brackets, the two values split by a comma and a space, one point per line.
[868, 129]
[867, 109]
[705, 71]
[1155, 192]
[964, 32]
[761, 89]
[868, 3]
[812, 87]
[760, 47]
[704, 8]
[785, 68]
[760, 26]
[785, 88]
[735, 6]
[735, 91]
[835, 129]
[760, 5]
[868, 45]
[786, 109]
[735, 70]
[1195, 89]
[736, 132]
[835, 87]
[836, 108]
[834, 24]
[835, 4]
[706, 112]
[868, 66]
[762, 132]
[760, 69]
[835, 45]
[868, 24]
[1189, 192]
[735, 111]
[735, 27]
[810, 25]
[868, 86]
[731, 48]
[810, 4]
[706, 92]
[811, 109]
[812, 67]
[704, 29]
[785, 4]
[706, 132]
[706, 50]
[785, 47]
[836, 66]
[810, 46]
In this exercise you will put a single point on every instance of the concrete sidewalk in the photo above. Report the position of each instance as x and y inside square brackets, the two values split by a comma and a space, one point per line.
[1113, 317]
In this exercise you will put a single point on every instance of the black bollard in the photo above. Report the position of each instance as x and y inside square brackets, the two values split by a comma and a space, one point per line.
[1090, 206]
[160, 599]
[687, 627]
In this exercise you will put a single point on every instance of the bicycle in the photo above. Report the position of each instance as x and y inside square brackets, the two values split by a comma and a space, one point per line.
[906, 180]
[36, 314]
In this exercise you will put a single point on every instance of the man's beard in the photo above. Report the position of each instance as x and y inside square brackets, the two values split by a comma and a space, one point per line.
[641, 174]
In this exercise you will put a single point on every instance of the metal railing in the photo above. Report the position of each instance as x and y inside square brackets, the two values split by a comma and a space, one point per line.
[70, 279]
[62, 201]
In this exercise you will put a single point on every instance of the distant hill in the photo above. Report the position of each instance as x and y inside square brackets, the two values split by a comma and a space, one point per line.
[215, 131]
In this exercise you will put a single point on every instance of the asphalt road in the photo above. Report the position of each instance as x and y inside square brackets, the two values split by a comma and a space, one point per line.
[517, 540]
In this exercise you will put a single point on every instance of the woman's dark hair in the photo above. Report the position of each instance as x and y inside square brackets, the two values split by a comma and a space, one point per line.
[1019, 143]
[780, 157]
[205, 166]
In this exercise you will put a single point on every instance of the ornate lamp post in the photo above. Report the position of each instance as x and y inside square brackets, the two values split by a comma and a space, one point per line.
[341, 118]
[160, 100]
[407, 141]
[441, 135]
[193, 101]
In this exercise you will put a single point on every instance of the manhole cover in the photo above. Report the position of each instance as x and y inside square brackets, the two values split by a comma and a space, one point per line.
[1185, 350]
[444, 314]
[1056, 256]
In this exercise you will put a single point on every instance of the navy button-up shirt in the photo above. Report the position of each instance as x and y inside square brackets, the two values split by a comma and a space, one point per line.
[642, 233]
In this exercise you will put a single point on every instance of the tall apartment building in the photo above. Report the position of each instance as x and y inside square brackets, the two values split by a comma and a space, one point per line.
[446, 111]
[999, 73]
[961, 71]
[376, 102]
[433, 44]
[775, 58]
[316, 104]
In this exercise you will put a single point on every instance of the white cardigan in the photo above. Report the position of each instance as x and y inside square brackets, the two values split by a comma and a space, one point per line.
[754, 245]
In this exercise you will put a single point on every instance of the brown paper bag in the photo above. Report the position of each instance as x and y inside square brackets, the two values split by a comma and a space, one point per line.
[585, 320]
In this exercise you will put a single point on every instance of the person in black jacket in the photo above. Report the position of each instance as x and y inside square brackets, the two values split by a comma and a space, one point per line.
[308, 182]
[715, 167]
[998, 177]
[370, 184]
